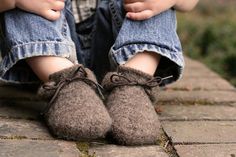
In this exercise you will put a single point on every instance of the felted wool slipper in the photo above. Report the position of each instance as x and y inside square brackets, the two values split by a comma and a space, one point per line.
[75, 110]
[135, 121]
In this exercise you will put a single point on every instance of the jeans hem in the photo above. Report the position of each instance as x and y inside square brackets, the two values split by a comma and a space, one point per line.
[33, 49]
[123, 54]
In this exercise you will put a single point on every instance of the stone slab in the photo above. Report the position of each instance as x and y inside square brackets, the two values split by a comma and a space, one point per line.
[199, 73]
[36, 105]
[203, 97]
[13, 111]
[11, 92]
[122, 151]
[201, 83]
[197, 112]
[191, 63]
[213, 150]
[19, 128]
[197, 69]
[37, 148]
[201, 131]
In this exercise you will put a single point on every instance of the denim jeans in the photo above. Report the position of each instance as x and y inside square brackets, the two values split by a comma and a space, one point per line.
[104, 41]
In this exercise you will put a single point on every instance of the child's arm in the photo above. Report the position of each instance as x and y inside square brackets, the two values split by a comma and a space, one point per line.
[145, 9]
[49, 9]
[183, 5]
[6, 5]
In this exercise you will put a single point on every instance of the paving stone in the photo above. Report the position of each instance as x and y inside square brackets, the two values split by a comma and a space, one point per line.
[122, 151]
[197, 112]
[199, 73]
[201, 131]
[213, 150]
[201, 83]
[36, 105]
[37, 148]
[191, 63]
[233, 104]
[12, 92]
[12, 111]
[196, 69]
[203, 97]
[19, 128]
[16, 134]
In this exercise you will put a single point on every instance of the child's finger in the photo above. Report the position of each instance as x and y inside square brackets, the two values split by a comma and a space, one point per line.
[58, 5]
[146, 14]
[134, 7]
[52, 15]
[132, 1]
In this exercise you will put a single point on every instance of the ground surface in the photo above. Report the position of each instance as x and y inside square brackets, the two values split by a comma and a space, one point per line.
[198, 116]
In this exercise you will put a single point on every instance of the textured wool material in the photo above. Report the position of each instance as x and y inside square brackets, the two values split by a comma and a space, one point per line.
[76, 111]
[135, 121]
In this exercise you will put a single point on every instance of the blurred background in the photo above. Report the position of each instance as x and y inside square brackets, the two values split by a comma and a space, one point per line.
[208, 34]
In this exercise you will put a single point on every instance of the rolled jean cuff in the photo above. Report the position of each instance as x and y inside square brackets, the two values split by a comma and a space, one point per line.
[32, 49]
[29, 35]
[171, 64]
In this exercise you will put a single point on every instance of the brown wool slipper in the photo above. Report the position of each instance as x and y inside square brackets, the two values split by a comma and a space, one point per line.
[135, 121]
[75, 110]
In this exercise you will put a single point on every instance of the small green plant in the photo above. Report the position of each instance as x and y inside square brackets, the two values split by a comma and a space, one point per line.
[84, 149]
[208, 35]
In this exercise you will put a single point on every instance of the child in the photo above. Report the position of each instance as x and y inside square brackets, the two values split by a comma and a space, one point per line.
[141, 36]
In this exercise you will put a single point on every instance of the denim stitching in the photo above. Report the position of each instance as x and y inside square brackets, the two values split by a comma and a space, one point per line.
[115, 14]
[40, 42]
[64, 26]
[6, 67]
[1, 39]
[37, 43]
[118, 57]
[2, 44]
[68, 8]
[1, 32]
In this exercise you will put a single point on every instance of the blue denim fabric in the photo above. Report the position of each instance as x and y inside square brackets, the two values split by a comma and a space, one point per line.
[157, 34]
[124, 38]
[27, 35]
[105, 40]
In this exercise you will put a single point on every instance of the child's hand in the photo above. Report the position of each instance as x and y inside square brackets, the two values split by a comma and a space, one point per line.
[49, 9]
[145, 9]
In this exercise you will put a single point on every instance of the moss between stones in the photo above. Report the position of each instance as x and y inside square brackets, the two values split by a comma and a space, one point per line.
[13, 137]
[84, 149]
[194, 102]
[166, 143]
[184, 89]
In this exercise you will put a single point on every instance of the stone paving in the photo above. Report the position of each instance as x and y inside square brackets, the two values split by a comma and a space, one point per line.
[198, 116]
[199, 113]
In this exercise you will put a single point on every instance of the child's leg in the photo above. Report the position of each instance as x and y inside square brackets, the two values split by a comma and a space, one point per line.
[32, 39]
[75, 109]
[146, 62]
[45, 65]
[142, 50]
[156, 35]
